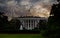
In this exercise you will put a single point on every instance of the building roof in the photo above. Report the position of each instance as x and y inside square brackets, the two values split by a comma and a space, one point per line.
[29, 17]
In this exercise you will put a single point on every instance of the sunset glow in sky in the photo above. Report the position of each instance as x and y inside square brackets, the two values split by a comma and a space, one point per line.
[16, 8]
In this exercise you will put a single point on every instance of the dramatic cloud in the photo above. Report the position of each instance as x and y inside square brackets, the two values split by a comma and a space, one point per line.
[15, 8]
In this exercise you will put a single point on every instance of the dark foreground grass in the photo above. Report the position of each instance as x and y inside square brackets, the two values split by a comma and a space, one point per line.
[21, 36]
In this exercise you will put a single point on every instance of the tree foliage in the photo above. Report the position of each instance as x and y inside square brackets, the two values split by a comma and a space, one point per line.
[3, 21]
[54, 22]
[6, 26]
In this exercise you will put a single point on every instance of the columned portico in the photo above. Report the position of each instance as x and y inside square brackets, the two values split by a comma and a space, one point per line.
[29, 23]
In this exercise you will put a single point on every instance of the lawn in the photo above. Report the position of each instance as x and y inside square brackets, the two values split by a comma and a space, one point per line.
[20, 36]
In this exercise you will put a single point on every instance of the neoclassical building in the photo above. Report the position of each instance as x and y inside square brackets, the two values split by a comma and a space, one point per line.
[29, 22]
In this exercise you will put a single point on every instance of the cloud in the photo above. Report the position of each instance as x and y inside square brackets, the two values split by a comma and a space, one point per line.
[15, 8]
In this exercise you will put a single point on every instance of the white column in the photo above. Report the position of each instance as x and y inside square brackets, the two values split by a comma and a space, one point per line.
[35, 23]
[23, 24]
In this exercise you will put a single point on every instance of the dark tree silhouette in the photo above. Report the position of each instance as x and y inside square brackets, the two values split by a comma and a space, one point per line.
[42, 24]
[14, 25]
[3, 21]
[54, 22]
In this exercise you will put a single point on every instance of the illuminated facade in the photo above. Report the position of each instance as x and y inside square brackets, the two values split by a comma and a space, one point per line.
[29, 23]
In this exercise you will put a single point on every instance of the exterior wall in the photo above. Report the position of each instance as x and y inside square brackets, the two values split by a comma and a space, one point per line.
[29, 23]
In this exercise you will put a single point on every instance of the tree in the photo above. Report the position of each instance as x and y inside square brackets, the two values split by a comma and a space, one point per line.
[14, 25]
[42, 24]
[54, 22]
[3, 21]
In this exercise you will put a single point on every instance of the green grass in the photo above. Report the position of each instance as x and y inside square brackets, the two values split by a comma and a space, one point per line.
[20, 36]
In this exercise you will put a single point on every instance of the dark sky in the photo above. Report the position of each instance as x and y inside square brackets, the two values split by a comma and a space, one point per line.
[15, 8]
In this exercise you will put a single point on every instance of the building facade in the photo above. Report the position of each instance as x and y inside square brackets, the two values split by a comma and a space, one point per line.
[29, 22]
